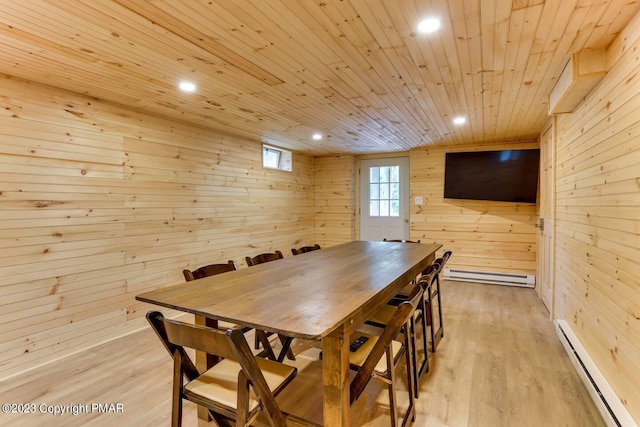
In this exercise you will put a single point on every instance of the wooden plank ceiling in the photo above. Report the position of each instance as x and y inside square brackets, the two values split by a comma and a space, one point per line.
[355, 71]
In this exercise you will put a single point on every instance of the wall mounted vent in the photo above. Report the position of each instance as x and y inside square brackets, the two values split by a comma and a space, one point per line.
[491, 277]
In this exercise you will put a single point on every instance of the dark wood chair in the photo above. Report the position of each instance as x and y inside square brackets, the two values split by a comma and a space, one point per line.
[305, 249]
[382, 317]
[262, 258]
[258, 380]
[212, 270]
[209, 270]
[262, 337]
[381, 354]
[423, 312]
[430, 275]
[437, 332]
[401, 240]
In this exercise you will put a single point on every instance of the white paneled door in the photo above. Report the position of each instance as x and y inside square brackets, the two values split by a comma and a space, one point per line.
[384, 198]
[546, 223]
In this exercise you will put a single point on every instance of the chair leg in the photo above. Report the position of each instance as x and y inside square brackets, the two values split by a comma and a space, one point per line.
[411, 386]
[286, 349]
[425, 339]
[429, 316]
[441, 329]
[414, 353]
[242, 409]
[261, 336]
[176, 411]
[421, 368]
[437, 334]
[409, 415]
[391, 387]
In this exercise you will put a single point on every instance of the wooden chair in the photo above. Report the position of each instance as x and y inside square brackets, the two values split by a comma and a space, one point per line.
[209, 270]
[437, 333]
[263, 336]
[381, 354]
[305, 249]
[423, 312]
[238, 387]
[212, 270]
[262, 258]
[382, 317]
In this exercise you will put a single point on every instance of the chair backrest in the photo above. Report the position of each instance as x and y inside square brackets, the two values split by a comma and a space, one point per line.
[262, 258]
[442, 261]
[401, 240]
[305, 249]
[433, 268]
[445, 258]
[176, 335]
[427, 278]
[400, 318]
[439, 263]
[209, 270]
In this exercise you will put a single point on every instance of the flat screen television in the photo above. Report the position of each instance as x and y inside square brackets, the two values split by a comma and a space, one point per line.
[504, 175]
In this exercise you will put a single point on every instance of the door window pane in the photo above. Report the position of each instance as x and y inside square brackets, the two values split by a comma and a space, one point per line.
[374, 191]
[395, 191]
[395, 174]
[374, 175]
[374, 208]
[395, 208]
[384, 174]
[384, 208]
[384, 191]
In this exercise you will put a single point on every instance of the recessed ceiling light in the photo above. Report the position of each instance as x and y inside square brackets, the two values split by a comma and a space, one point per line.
[428, 25]
[317, 136]
[459, 120]
[187, 86]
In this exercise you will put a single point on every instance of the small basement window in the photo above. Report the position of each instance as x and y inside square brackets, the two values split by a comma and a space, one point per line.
[276, 158]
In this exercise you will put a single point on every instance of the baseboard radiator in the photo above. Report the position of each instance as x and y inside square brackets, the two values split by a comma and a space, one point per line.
[611, 408]
[491, 277]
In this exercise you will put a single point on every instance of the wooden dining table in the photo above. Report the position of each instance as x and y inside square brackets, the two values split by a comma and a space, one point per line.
[320, 295]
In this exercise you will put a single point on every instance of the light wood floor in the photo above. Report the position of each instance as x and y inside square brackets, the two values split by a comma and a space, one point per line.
[499, 364]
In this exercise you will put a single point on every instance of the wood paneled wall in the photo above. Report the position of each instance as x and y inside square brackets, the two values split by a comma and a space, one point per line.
[485, 236]
[99, 203]
[598, 220]
[335, 192]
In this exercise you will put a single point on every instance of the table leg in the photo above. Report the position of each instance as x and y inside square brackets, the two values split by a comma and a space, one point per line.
[335, 378]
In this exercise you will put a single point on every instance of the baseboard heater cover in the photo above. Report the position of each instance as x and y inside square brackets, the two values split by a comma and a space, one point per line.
[609, 405]
[491, 277]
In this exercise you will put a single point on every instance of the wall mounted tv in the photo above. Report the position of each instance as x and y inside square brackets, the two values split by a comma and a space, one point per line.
[505, 175]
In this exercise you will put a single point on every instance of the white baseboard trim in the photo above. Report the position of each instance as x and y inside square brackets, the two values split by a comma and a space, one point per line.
[491, 277]
[609, 405]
